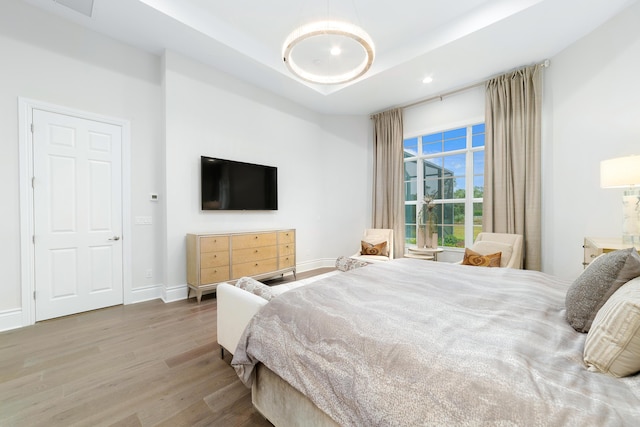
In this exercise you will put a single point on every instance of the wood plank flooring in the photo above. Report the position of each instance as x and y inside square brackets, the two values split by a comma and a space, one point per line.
[146, 364]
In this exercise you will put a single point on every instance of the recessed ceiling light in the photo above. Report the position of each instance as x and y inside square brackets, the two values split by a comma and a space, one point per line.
[335, 51]
[427, 79]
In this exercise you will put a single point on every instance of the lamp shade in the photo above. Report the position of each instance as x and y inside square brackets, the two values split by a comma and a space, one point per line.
[620, 172]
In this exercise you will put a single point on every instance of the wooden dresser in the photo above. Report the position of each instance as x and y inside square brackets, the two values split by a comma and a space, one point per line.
[226, 257]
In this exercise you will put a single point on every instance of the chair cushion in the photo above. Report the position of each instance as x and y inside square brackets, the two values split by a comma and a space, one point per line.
[613, 343]
[597, 283]
[479, 260]
[486, 247]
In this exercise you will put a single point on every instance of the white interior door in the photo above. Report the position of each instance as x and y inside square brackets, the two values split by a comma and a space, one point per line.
[77, 193]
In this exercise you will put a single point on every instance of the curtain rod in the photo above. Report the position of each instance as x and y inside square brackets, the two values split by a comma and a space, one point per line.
[545, 64]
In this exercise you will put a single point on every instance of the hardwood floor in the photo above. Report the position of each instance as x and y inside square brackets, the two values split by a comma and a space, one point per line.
[146, 364]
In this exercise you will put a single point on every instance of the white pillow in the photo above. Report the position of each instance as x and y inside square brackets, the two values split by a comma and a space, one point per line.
[484, 247]
[613, 342]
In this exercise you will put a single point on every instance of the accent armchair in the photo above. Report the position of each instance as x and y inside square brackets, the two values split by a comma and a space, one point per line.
[509, 244]
[375, 236]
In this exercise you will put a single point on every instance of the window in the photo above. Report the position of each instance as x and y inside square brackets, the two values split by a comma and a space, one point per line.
[449, 167]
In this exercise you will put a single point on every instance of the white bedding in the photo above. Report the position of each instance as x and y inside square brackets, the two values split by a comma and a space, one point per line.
[410, 342]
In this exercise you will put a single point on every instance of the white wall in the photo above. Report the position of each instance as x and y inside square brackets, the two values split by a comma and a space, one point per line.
[50, 60]
[323, 165]
[592, 108]
[452, 111]
[324, 162]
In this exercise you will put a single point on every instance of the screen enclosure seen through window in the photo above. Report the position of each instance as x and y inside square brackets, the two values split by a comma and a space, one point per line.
[448, 169]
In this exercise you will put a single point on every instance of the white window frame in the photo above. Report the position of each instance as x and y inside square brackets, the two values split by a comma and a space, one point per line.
[469, 200]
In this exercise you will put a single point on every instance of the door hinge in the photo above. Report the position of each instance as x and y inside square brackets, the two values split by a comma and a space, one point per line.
[33, 182]
[34, 295]
[31, 127]
[33, 239]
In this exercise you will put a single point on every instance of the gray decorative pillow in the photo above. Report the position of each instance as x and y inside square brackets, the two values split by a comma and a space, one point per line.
[344, 263]
[597, 283]
[255, 287]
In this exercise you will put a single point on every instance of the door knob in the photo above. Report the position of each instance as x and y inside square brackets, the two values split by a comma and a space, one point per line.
[115, 238]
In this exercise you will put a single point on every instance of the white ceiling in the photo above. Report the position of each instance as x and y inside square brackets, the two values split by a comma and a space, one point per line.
[457, 43]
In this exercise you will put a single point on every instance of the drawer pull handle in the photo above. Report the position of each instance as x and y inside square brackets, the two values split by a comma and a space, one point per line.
[256, 264]
[256, 251]
[256, 237]
[593, 255]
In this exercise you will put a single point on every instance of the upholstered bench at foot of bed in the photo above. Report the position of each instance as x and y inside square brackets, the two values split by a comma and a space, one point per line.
[237, 306]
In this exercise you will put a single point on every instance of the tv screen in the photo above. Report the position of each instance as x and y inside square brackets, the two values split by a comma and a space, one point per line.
[230, 185]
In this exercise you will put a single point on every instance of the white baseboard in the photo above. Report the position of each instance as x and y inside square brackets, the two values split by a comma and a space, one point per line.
[11, 319]
[318, 263]
[146, 293]
[175, 293]
[159, 291]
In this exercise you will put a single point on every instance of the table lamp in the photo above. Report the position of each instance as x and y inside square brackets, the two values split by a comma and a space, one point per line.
[624, 172]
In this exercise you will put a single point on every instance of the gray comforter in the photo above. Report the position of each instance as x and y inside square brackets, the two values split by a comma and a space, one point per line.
[410, 342]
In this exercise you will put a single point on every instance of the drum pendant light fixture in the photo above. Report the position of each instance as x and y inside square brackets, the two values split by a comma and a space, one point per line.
[328, 52]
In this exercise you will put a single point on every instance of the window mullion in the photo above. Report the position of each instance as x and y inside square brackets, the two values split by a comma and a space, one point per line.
[420, 173]
[419, 181]
[468, 205]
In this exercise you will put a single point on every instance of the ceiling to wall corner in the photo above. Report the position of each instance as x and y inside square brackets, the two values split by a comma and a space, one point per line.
[456, 43]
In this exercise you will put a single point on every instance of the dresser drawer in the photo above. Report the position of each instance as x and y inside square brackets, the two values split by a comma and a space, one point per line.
[254, 268]
[214, 274]
[288, 249]
[288, 236]
[287, 261]
[241, 256]
[214, 244]
[590, 254]
[214, 259]
[242, 241]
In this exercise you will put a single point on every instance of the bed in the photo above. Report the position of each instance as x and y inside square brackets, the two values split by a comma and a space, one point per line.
[410, 342]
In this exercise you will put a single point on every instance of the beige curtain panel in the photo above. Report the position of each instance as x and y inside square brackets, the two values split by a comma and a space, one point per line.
[512, 196]
[388, 176]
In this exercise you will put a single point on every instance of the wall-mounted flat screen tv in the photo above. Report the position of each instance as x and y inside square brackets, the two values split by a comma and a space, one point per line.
[231, 185]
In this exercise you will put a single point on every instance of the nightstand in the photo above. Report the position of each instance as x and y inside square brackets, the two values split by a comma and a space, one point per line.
[423, 253]
[595, 246]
